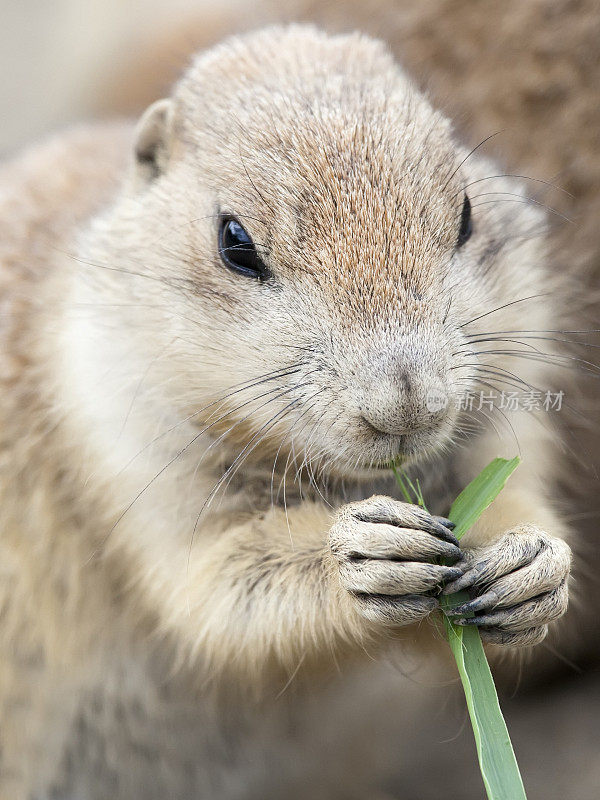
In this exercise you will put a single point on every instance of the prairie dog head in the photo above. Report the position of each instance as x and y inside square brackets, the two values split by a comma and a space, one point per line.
[319, 248]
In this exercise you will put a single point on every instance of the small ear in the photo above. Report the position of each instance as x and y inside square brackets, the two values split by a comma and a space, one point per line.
[153, 140]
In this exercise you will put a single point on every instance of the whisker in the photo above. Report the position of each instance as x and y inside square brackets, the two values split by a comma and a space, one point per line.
[497, 408]
[533, 338]
[172, 460]
[519, 199]
[306, 445]
[549, 358]
[158, 279]
[533, 330]
[504, 305]
[244, 386]
[481, 143]
[290, 434]
[256, 439]
[530, 386]
[516, 383]
[512, 175]
[526, 202]
[251, 413]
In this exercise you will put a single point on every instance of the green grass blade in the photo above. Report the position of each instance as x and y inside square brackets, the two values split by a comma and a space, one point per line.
[403, 487]
[497, 762]
[477, 496]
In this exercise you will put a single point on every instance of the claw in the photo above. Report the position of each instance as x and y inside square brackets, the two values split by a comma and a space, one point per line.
[447, 523]
[466, 580]
[443, 532]
[451, 573]
[478, 604]
[454, 553]
[483, 619]
[465, 621]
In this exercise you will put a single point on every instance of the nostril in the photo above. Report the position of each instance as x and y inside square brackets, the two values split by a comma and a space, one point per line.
[405, 382]
[370, 425]
[384, 425]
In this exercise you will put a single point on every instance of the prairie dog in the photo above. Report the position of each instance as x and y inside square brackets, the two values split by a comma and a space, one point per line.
[266, 277]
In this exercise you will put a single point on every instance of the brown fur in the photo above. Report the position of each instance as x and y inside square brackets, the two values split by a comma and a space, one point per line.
[526, 74]
[121, 322]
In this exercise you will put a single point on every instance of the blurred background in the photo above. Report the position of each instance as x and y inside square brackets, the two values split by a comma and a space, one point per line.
[530, 71]
[55, 57]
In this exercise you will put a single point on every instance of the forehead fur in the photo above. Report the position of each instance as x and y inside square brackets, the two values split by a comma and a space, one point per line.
[323, 143]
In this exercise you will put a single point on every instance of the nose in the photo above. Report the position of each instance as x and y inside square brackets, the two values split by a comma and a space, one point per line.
[380, 425]
[404, 405]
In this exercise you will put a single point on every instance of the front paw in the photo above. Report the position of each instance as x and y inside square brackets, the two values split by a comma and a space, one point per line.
[519, 585]
[387, 555]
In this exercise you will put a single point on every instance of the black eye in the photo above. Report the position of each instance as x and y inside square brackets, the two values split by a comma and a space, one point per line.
[238, 251]
[466, 225]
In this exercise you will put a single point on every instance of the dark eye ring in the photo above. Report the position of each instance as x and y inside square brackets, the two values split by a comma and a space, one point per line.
[238, 251]
[466, 224]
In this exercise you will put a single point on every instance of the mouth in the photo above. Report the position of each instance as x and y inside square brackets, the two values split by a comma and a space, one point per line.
[379, 451]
